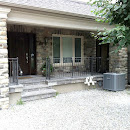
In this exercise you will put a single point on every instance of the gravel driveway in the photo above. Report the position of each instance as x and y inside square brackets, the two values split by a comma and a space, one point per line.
[84, 110]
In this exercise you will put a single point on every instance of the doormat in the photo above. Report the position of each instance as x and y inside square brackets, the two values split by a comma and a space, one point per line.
[24, 77]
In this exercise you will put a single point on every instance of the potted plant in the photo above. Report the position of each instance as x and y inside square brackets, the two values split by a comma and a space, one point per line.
[43, 69]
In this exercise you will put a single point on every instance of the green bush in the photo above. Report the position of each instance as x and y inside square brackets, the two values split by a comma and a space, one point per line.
[43, 69]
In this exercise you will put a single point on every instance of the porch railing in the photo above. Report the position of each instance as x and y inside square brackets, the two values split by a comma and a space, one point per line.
[13, 70]
[74, 67]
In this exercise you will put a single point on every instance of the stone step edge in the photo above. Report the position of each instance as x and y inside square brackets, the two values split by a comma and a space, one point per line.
[29, 87]
[31, 83]
[35, 93]
[35, 89]
[33, 98]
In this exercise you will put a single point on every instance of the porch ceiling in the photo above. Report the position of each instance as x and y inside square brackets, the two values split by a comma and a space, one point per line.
[46, 19]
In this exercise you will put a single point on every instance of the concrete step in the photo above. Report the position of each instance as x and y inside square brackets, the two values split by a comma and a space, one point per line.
[36, 95]
[37, 87]
[32, 83]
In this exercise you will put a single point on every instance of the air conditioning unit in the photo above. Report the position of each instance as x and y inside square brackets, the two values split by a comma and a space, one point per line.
[114, 81]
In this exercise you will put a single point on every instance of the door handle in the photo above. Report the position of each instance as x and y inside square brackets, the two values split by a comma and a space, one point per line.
[27, 57]
[32, 55]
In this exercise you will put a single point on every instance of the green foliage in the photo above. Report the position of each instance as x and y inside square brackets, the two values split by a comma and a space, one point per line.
[20, 102]
[117, 14]
[43, 69]
[57, 93]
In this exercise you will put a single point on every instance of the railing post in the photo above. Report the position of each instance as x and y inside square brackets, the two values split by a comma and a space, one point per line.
[17, 71]
[13, 71]
[91, 65]
[49, 68]
[46, 68]
[72, 67]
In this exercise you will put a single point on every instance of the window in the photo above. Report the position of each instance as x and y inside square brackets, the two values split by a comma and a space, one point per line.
[56, 49]
[66, 47]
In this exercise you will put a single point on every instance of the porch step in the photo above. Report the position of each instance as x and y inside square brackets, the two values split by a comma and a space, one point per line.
[37, 87]
[35, 95]
[32, 83]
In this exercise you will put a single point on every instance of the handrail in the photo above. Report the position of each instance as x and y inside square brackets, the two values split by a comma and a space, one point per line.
[74, 66]
[13, 70]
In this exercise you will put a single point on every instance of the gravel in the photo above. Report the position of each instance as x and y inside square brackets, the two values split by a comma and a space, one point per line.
[84, 110]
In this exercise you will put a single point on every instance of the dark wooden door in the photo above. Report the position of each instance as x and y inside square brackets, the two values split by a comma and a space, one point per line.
[103, 52]
[19, 46]
[32, 53]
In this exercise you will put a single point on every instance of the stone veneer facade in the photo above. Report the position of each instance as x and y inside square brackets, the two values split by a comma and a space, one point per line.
[4, 80]
[118, 62]
[43, 51]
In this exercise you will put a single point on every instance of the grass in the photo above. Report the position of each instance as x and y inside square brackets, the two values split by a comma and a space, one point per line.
[57, 93]
[20, 102]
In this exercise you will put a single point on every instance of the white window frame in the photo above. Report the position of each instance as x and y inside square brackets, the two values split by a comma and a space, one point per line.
[73, 49]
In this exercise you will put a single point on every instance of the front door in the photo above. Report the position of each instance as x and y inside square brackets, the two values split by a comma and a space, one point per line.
[21, 45]
[103, 52]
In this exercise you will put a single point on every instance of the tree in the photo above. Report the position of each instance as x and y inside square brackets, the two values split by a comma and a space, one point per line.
[117, 14]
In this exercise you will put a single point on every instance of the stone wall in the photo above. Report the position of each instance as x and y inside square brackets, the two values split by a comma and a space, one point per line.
[43, 51]
[4, 80]
[118, 61]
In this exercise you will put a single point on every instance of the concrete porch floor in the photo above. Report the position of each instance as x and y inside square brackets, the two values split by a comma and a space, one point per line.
[30, 79]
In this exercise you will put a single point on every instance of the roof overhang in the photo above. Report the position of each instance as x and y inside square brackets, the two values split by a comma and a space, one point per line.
[48, 19]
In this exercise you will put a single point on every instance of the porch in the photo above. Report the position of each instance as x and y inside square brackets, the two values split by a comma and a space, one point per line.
[55, 52]
[36, 84]
[59, 75]
[53, 70]
[34, 87]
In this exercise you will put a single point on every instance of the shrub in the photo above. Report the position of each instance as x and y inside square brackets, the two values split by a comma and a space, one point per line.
[43, 69]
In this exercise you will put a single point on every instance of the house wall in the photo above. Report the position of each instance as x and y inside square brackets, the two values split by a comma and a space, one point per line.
[118, 62]
[43, 51]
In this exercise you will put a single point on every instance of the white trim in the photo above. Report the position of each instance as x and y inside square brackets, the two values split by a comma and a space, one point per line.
[73, 47]
[45, 19]
[4, 12]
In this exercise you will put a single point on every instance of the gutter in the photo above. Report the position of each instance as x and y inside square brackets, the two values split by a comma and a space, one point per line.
[45, 10]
